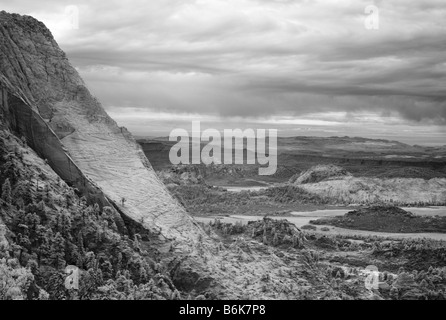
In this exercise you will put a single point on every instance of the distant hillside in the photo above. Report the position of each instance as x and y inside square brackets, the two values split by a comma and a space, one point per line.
[385, 219]
[359, 156]
[363, 190]
[339, 147]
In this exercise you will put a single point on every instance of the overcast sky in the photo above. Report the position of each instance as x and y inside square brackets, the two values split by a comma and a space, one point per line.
[306, 67]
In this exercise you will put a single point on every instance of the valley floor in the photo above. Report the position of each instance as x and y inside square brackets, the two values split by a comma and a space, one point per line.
[404, 259]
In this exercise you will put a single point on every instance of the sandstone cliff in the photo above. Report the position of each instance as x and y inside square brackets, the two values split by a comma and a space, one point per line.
[44, 99]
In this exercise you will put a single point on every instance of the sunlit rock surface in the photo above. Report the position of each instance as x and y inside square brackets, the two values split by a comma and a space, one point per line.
[44, 99]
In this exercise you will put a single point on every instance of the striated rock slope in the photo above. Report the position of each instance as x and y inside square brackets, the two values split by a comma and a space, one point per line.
[386, 219]
[44, 99]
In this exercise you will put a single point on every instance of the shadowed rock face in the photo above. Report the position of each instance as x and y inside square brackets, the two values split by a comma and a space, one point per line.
[44, 99]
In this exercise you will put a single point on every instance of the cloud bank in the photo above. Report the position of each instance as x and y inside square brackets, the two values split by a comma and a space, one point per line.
[258, 58]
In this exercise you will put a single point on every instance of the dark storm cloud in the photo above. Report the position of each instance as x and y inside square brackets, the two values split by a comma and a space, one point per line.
[257, 58]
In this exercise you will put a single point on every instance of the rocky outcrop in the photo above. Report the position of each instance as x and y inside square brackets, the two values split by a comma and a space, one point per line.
[364, 190]
[320, 173]
[407, 287]
[45, 100]
[276, 232]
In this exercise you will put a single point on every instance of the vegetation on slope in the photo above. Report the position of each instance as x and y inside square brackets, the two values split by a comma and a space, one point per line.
[202, 199]
[409, 269]
[319, 186]
[48, 226]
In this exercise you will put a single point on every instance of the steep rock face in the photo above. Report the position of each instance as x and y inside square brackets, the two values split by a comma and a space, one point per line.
[19, 117]
[363, 190]
[44, 99]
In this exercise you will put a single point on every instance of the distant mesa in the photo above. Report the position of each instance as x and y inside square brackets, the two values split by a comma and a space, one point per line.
[380, 210]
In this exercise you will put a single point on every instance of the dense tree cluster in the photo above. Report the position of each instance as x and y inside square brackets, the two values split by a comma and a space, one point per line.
[50, 227]
[205, 199]
[414, 268]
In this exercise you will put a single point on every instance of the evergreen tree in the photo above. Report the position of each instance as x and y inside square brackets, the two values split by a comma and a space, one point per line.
[275, 240]
[107, 270]
[80, 243]
[65, 226]
[90, 260]
[21, 189]
[57, 251]
[10, 170]
[143, 277]
[6, 191]
[394, 294]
